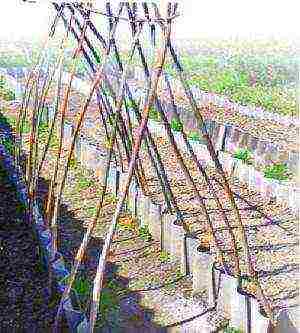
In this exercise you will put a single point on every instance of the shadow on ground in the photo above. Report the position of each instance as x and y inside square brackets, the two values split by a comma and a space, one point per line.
[120, 308]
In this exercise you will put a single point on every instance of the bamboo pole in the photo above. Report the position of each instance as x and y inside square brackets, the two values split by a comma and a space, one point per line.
[28, 81]
[242, 235]
[88, 234]
[102, 260]
[62, 121]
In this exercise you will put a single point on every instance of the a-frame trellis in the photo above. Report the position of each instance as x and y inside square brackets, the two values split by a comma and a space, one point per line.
[233, 255]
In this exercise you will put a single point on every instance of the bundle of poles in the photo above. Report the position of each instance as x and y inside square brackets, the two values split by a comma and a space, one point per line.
[119, 132]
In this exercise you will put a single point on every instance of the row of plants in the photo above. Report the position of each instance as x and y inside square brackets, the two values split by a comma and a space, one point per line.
[265, 81]
[6, 93]
[277, 171]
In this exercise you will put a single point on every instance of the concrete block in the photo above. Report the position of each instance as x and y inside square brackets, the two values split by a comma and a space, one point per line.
[132, 197]
[83, 147]
[77, 149]
[68, 133]
[253, 143]
[282, 192]
[112, 179]
[173, 241]
[227, 161]
[252, 177]
[241, 172]
[44, 116]
[154, 221]
[201, 270]
[258, 176]
[259, 324]
[294, 198]
[179, 140]
[220, 136]
[142, 209]
[231, 303]
[293, 161]
[99, 167]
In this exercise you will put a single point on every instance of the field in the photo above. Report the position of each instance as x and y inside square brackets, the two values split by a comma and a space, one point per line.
[154, 216]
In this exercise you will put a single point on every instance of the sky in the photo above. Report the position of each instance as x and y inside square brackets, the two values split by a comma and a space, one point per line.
[199, 18]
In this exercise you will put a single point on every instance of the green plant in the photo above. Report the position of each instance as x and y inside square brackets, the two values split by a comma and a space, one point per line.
[72, 163]
[230, 329]
[84, 183]
[154, 114]
[164, 256]
[243, 155]
[144, 233]
[54, 143]
[26, 127]
[194, 136]
[2, 81]
[9, 146]
[82, 286]
[176, 125]
[277, 171]
[7, 94]
[108, 310]
[43, 131]
[91, 211]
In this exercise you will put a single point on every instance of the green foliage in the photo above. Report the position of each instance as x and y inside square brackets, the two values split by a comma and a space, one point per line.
[9, 146]
[5, 93]
[82, 286]
[26, 126]
[230, 329]
[2, 81]
[144, 233]
[109, 309]
[14, 60]
[164, 256]
[84, 183]
[73, 163]
[154, 114]
[243, 155]
[127, 224]
[54, 143]
[91, 211]
[246, 78]
[176, 125]
[20, 208]
[194, 136]
[277, 171]
[43, 131]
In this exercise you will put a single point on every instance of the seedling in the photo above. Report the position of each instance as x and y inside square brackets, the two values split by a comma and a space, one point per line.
[145, 234]
[176, 125]
[232, 330]
[109, 307]
[8, 145]
[243, 155]
[91, 211]
[154, 114]
[194, 136]
[164, 256]
[82, 287]
[84, 183]
[72, 163]
[277, 171]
